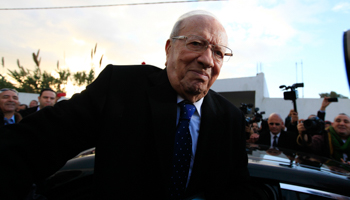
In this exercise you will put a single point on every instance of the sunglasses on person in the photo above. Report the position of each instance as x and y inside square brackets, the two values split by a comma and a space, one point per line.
[277, 124]
[8, 89]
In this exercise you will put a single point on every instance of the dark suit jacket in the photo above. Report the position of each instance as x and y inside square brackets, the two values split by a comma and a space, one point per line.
[129, 114]
[287, 140]
[18, 118]
[28, 111]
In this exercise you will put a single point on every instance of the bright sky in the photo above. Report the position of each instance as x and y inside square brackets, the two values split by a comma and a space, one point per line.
[289, 40]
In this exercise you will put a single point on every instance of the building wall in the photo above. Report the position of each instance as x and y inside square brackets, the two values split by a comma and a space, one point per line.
[26, 98]
[305, 106]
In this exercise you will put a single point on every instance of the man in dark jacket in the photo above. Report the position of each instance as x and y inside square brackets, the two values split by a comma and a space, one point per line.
[276, 137]
[130, 114]
[47, 97]
[8, 105]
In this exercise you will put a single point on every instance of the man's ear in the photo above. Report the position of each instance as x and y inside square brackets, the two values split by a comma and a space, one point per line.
[167, 46]
[167, 50]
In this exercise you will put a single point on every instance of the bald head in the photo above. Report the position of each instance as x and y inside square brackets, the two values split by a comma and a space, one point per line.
[341, 125]
[275, 123]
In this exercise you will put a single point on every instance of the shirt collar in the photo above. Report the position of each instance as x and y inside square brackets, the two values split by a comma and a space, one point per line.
[197, 104]
[278, 135]
[11, 119]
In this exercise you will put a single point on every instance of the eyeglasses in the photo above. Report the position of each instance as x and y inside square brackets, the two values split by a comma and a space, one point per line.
[277, 124]
[8, 89]
[199, 44]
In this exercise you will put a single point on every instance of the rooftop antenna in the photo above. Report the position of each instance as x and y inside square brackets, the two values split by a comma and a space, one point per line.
[296, 71]
[302, 75]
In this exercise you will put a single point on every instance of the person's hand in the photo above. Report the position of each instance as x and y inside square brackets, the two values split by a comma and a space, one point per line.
[345, 162]
[290, 113]
[253, 138]
[294, 117]
[325, 103]
[301, 127]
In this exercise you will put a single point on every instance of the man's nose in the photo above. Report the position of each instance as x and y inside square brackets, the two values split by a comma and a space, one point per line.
[207, 58]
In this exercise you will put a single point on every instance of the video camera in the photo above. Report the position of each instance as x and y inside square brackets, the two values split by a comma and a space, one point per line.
[292, 94]
[247, 109]
[314, 126]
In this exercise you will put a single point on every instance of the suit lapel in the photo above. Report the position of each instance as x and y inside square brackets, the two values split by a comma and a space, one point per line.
[162, 100]
[210, 131]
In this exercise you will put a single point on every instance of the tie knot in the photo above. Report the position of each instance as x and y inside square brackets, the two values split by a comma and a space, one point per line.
[186, 110]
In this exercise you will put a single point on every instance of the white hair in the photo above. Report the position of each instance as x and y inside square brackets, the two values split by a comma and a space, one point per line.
[178, 23]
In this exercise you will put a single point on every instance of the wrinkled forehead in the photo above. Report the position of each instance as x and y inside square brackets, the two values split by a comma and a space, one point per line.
[205, 26]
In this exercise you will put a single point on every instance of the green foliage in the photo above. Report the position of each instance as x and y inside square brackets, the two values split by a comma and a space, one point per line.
[5, 84]
[33, 81]
[83, 78]
[333, 94]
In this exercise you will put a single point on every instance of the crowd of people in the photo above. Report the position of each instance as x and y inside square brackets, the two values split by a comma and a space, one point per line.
[312, 135]
[12, 112]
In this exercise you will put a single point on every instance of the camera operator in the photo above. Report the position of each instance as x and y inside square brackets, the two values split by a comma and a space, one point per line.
[254, 133]
[291, 121]
[333, 142]
[255, 127]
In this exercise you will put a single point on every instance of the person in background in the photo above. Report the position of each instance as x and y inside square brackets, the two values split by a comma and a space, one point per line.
[60, 95]
[21, 107]
[276, 137]
[333, 142]
[47, 97]
[8, 105]
[33, 103]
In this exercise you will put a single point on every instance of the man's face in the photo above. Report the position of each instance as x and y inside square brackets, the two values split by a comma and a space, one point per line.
[255, 127]
[32, 104]
[47, 98]
[192, 73]
[275, 124]
[8, 101]
[341, 126]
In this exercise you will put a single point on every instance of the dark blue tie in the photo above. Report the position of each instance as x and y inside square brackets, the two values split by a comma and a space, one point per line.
[182, 151]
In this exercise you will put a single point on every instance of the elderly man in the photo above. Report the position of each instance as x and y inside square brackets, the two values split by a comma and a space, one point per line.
[130, 113]
[333, 143]
[8, 105]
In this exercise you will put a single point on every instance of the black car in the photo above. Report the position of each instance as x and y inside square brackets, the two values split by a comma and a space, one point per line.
[276, 174]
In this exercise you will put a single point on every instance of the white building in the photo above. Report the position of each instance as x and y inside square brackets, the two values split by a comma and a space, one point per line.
[254, 90]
